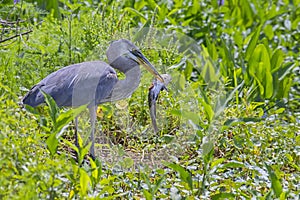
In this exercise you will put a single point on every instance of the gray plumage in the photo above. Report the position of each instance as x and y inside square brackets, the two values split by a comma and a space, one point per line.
[75, 85]
[94, 82]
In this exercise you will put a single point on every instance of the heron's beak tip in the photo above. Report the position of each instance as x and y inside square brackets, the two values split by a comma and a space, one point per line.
[144, 61]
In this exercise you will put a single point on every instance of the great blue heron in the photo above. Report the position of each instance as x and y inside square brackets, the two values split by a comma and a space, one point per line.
[94, 82]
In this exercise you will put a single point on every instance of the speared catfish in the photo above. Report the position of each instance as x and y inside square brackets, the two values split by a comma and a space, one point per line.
[153, 94]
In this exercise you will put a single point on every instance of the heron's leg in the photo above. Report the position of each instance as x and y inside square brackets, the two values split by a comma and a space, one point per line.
[76, 132]
[76, 136]
[92, 110]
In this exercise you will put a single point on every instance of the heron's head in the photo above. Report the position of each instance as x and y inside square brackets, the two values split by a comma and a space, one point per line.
[124, 55]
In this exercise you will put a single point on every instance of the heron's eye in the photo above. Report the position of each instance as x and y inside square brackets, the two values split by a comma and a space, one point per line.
[136, 52]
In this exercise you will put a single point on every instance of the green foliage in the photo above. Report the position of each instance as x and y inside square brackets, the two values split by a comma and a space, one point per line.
[60, 121]
[229, 123]
[276, 185]
[185, 176]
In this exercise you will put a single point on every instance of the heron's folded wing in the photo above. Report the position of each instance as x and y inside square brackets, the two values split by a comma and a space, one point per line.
[92, 82]
[75, 85]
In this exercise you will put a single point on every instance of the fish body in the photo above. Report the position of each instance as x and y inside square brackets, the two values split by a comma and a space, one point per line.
[156, 87]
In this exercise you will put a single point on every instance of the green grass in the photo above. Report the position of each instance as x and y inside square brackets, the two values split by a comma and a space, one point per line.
[229, 123]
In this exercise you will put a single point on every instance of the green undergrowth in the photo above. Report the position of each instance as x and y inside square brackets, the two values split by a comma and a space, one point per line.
[229, 123]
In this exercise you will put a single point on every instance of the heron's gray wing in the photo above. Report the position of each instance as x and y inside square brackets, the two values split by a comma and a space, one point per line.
[92, 84]
[75, 85]
[51, 85]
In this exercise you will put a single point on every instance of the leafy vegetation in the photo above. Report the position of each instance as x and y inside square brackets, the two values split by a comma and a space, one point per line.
[229, 123]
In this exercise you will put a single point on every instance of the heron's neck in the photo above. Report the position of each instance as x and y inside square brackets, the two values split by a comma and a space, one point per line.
[125, 87]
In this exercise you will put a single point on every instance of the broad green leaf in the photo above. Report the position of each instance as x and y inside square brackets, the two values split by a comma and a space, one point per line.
[72, 6]
[147, 195]
[80, 141]
[134, 11]
[235, 121]
[105, 181]
[286, 85]
[283, 80]
[139, 5]
[209, 73]
[275, 183]
[233, 164]
[211, 47]
[237, 16]
[269, 85]
[195, 7]
[208, 70]
[207, 147]
[247, 11]
[208, 109]
[223, 195]
[252, 44]
[173, 11]
[261, 87]
[94, 170]
[99, 168]
[84, 151]
[229, 62]
[207, 151]
[108, 189]
[66, 117]
[84, 182]
[52, 143]
[187, 22]
[285, 70]
[162, 12]
[188, 70]
[51, 6]
[269, 31]
[283, 196]
[178, 3]
[152, 4]
[71, 145]
[238, 39]
[185, 176]
[296, 21]
[276, 60]
[54, 110]
[176, 112]
[71, 194]
[260, 69]
[31, 109]
[217, 162]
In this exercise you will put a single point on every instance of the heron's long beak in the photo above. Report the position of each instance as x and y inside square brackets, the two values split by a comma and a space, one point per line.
[140, 58]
